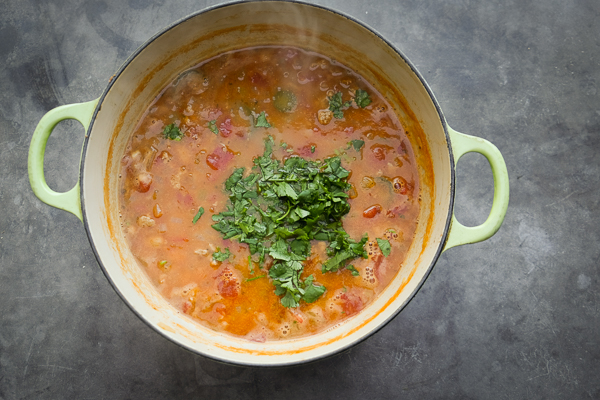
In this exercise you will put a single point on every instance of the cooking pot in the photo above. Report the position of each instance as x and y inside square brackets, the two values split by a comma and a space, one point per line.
[109, 120]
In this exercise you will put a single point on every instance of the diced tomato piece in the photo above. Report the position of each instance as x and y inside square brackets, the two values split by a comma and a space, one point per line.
[351, 303]
[258, 79]
[228, 285]
[228, 289]
[377, 261]
[219, 158]
[398, 210]
[185, 198]
[372, 211]
[306, 151]
[225, 128]
[257, 337]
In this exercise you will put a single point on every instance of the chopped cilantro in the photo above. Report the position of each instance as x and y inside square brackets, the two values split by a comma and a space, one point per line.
[384, 246]
[278, 209]
[172, 132]
[312, 292]
[212, 125]
[357, 144]
[255, 278]
[361, 98]
[261, 121]
[250, 265]
[221, 255]
[198, 215]
[312, 149]
[353, 270]
[337, 106]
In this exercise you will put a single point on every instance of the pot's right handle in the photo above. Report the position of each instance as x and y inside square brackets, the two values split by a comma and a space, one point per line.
[68, 201]
[460, 234]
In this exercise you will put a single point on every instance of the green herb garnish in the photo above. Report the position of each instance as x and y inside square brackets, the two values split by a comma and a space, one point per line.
[198, 215]
[353, 270]
[384, 246]
[261, 121]
[356, 143]
[255, 278]
[172, 132]
[312, 292]
[361, 98]
[221, 255]
[337, 106]
[278, 209]
[212, 125]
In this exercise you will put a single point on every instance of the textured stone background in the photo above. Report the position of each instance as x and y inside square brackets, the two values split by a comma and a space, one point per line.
[514, 317]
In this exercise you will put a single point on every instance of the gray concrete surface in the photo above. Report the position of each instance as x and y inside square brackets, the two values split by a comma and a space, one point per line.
[514, 317]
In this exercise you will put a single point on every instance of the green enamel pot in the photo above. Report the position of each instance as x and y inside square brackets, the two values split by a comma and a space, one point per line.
[109, 120]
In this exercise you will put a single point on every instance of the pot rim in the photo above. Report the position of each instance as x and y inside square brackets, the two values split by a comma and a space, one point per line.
[434, 259]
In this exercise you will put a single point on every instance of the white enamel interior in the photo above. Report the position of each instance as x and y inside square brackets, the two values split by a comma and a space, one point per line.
[205, 35]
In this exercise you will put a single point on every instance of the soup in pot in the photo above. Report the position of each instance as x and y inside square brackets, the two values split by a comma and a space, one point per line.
[269, 193]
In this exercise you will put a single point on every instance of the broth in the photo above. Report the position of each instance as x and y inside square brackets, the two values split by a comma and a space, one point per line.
[225, 114]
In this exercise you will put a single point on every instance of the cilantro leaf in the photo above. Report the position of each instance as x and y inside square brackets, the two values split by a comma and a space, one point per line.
[337, 106]
[198, 215]
[261, 121]
[212, 125]
[279, 251]
[384, 246]
[312, 292]
[353, 270]
[221, 255]
[172, 132]
[357, 144]
[361, 98]
[289, 300]
[334, 263]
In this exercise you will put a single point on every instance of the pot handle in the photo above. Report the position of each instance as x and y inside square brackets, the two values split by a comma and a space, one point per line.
[460, 234]
[68, 201]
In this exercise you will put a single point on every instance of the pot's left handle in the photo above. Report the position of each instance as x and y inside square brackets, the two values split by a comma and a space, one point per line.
[68, 201]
